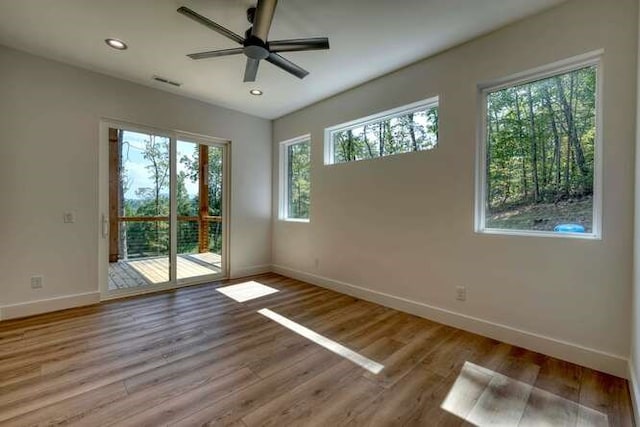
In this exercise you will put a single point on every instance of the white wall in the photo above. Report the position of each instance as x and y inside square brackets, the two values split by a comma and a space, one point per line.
[634, 362]
[49, 119]
[403, 226]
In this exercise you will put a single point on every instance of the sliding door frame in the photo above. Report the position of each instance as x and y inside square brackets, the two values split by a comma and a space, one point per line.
[226, 154]
[103, 207]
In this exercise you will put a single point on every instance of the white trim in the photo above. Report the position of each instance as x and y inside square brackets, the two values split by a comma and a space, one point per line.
[590, 59]
[634, 391]
[421, 105]
[535, 233]
[250, 270]
[283, 176]
[14, 311]
[173, 207]
[572, 352]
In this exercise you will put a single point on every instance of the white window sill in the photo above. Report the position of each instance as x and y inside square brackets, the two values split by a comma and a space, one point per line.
[302, 220]
[553, 234]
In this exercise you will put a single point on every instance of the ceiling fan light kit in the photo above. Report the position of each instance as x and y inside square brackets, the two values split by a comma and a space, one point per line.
[255, 44]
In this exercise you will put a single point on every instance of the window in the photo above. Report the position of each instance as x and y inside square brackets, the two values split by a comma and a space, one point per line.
[539, 159]
[410, 128]
[295, 179]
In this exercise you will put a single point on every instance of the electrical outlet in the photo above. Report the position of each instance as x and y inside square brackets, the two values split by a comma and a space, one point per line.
[69, 217]
[36, 282]
[316, 263]
[461, 293]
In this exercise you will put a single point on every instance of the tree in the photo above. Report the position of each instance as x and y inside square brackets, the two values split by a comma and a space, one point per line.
[540, 141]
[299, 180]
[413, 131]
[215, 190]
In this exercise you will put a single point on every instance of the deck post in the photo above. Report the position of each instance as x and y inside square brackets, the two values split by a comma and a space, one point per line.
[203, 192]
[114, 185]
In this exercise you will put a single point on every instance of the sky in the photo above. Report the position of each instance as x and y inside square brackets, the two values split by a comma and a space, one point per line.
[136, 165]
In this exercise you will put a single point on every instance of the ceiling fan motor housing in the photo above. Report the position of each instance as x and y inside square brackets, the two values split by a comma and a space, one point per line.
[255, 48]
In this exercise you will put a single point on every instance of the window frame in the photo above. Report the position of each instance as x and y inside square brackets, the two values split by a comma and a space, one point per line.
[591, 59]
[283, 208]
[329, 150]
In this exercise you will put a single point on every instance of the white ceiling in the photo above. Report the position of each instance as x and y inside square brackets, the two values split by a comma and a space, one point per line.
[368, 38]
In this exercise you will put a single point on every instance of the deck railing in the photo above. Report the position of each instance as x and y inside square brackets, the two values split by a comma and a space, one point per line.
[148, 236]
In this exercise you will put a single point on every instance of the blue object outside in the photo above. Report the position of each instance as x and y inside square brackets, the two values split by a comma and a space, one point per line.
[569, 228]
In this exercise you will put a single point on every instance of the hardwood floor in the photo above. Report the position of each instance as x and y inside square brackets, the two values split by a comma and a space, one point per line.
[196, 356]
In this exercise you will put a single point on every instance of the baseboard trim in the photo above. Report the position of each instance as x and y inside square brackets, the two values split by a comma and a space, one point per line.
[633, 390]
[571, 352]
[31, 308]
[250, 271]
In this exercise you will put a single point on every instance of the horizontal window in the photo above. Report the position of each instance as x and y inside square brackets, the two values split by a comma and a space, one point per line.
[540, 154]
[295, 179]
[402, 130]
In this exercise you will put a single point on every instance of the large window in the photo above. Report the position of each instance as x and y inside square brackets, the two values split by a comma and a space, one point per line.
[539, 158]
[410, 128]
[295, 178]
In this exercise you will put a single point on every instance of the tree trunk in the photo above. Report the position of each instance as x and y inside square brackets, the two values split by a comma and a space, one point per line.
[488, 160]
[567, 171]
[534, 149]
[366, 141]
[388, 136]
[350, 152]
[556, 139]
[525, 191]
[412, 132]
[567, 108]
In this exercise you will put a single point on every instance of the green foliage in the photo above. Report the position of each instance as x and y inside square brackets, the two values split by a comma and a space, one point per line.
[151, 238]
[540, 141]
[188, 231]
[414, 131]
[299, 179]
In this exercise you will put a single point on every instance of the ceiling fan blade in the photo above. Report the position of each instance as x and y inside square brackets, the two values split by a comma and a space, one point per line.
[262, 21]
[287, 65]
[295, 45]
[251, 70]
[216, 53]
[210, 24]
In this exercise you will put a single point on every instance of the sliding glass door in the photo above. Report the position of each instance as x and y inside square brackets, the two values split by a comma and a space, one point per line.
[199, 194]
[166, 220]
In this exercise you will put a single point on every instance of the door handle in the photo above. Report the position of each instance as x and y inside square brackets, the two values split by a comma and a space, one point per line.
[105, 226]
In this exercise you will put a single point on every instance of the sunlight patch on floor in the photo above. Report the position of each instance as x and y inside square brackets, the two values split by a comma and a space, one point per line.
[339, 349]
[247, 291]
[481, 396]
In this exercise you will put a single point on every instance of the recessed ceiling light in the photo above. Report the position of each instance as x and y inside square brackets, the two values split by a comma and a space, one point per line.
[256, 92]
[116, 44]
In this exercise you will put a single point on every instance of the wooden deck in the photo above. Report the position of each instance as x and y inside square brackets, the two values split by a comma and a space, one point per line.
[280, 352]
[151, 271]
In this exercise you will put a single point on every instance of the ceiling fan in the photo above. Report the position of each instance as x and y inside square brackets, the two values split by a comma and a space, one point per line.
[255, 45]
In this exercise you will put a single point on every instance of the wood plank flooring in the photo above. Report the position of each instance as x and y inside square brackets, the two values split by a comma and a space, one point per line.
[197, 357]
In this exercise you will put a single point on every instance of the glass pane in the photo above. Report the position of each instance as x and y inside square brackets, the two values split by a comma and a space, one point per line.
[401, 133]
[199, 198]
[540, 154]
[298, 180]
[139, 195]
